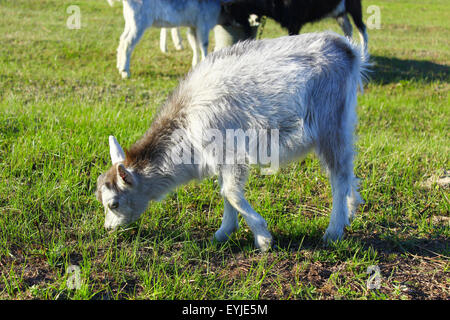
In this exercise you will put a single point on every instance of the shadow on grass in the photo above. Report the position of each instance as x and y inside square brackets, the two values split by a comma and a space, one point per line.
[384, 245]
[437, 247]
[385, 70]
[392, 70]
[151, 73]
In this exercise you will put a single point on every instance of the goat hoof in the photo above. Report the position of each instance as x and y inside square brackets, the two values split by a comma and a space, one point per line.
[332, 235]
[125, 74]
[263, 242]
[220, 237]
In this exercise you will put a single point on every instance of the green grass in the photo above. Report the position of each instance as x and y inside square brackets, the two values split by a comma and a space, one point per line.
[61, 96]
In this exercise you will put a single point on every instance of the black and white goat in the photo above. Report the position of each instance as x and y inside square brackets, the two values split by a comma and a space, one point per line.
[200, 16]
[293, 14]
[303, 89]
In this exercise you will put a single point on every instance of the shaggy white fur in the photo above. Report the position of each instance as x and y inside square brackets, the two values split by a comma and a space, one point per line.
[303, 87]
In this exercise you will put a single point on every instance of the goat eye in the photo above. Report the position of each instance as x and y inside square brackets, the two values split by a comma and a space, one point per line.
[113, 204]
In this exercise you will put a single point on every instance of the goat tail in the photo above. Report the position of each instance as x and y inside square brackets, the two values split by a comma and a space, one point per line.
[364, 64]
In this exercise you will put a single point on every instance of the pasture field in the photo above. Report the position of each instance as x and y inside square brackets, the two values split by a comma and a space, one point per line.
[61, 96]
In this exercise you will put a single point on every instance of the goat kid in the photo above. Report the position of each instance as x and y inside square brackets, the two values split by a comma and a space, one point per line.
[293, 14]
[200, 16]
[304, 87]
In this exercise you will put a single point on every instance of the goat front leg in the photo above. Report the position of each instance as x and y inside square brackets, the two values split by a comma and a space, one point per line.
[339, 218]
[230, 223]
[263, 238]
[346, 198]
[233, 181]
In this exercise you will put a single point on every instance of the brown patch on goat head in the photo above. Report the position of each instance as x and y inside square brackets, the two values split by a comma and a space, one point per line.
[109, 179]
[158, 138]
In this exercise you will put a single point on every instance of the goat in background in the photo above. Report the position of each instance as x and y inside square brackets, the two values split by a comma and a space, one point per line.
[293, 14]
[200, 16]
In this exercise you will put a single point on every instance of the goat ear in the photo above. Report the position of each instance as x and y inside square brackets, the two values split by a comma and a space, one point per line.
[115, 150]
[124, 174]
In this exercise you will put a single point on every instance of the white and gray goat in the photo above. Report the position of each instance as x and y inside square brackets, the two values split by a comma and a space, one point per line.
[200, 16]
[303, 88]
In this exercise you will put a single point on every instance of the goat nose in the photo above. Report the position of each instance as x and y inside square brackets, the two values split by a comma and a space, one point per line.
[113, 205]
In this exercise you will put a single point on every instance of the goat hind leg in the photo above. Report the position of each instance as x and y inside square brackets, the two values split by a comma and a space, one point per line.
[294, 30]
[203, 40]
[345, 25]
[355, 10]
[339, 218]
[176, 38]
[337, 155]
[192, 39]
